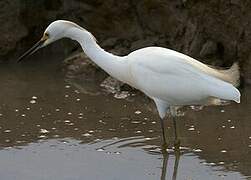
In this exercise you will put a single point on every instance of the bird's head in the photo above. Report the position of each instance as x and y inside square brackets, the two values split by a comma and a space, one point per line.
[55, 31]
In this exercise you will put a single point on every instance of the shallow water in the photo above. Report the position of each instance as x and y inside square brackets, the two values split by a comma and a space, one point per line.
[52, 128]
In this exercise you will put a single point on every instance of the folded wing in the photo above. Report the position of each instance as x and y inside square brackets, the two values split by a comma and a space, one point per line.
[179, 79]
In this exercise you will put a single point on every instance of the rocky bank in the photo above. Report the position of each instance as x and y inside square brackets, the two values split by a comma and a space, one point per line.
[216, 32]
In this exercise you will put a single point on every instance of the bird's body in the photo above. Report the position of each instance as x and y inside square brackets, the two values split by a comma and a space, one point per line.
[175, 78]
[168, 77]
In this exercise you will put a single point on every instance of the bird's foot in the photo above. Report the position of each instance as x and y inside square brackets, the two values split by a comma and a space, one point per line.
[164, 147]
[177, 145]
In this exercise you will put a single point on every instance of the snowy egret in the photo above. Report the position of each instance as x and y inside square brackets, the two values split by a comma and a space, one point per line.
[171, 79]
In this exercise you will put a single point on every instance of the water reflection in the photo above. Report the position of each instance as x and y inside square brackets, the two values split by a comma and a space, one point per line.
[67, 123]
[175, 166]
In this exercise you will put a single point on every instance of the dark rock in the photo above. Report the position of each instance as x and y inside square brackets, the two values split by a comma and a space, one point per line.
[120, 51]
[111, 85]
[187, 26]
[110, 42]
[12, 30]
[150, 41]
[80, 67]
[208, 49]
[247, 70]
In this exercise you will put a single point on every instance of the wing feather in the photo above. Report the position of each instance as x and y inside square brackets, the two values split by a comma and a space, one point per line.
[169, 76]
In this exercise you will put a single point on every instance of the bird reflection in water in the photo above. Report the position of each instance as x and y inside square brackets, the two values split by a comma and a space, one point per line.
[166, 154]
[165, 163]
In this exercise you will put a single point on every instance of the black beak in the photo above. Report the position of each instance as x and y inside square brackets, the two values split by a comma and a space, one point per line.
[37, 46]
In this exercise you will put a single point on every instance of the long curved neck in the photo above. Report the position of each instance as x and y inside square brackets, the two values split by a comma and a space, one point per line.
[113, 65]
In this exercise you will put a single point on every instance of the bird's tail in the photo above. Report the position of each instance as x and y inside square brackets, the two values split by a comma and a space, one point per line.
[231, 75]
[226, 91]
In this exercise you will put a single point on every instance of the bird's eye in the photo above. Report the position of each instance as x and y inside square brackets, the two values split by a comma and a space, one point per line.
[46, 34]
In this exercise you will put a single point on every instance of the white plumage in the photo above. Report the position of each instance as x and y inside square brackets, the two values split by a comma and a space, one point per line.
[168, 77]
[176, 78]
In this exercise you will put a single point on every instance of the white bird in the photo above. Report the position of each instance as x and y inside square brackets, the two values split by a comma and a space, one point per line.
[171, 79]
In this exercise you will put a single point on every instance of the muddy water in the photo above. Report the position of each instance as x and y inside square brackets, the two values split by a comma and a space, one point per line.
[52, 128]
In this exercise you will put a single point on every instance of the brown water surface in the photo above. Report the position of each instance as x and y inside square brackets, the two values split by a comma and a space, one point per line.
[51, 128]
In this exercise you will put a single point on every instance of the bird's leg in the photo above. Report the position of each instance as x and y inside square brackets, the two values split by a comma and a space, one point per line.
[176, 140]
[164, 145]
[162, 108]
